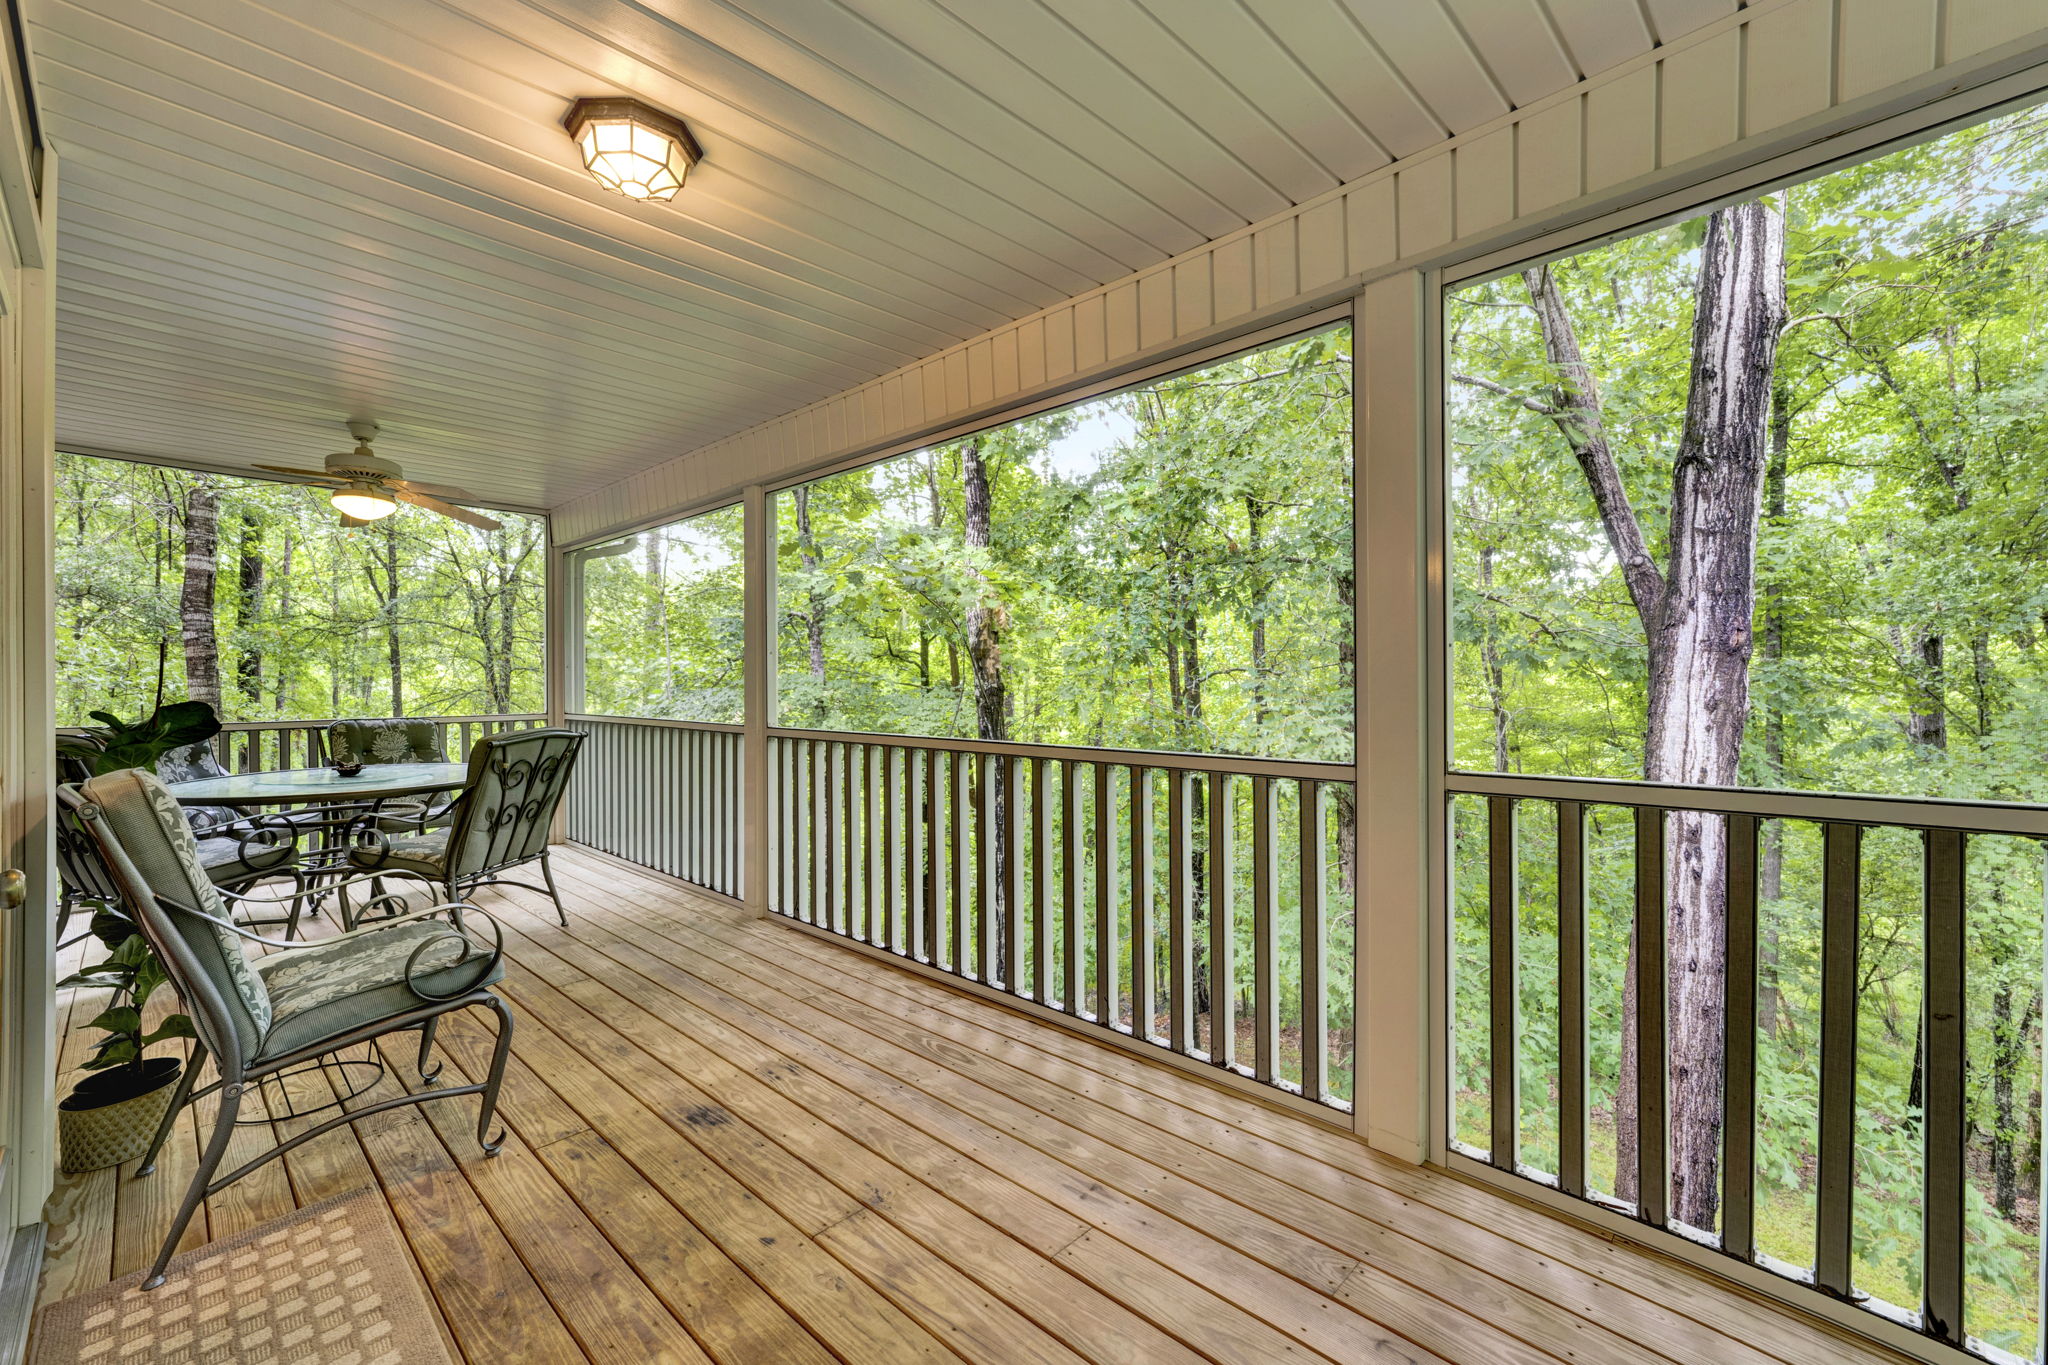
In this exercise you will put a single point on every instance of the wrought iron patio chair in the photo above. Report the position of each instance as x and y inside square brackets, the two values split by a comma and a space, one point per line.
[238, 850]
[403, 739]
[263, 1018]
[500, 821]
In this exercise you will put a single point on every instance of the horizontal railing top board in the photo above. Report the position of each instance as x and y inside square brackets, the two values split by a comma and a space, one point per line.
[1973, 817]
[321, 723]
[1310, 769]
[716, 727]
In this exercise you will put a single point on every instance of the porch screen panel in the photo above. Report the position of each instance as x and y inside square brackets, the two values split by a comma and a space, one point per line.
[1743, 513]
[1070, 699]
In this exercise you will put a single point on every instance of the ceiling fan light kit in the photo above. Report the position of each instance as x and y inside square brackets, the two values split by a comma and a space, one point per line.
[363, 501]
[364, 486]
[632, 148]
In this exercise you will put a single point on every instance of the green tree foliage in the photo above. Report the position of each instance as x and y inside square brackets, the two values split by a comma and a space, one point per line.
[664, 621]
[1169, 568]
[415, 613]
[1900, 647]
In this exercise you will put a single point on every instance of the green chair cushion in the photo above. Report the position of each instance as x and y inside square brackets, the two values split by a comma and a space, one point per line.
[333, 987]
[424, 854]
[227, 864]
[151, 829]
[384, 741]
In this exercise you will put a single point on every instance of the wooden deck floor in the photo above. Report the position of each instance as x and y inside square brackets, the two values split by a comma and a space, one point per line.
[733, 1142]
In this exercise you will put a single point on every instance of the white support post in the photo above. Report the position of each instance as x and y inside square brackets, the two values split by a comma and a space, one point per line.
[28, 1036]
[758, 660]
[562, 624]
[1394, 578]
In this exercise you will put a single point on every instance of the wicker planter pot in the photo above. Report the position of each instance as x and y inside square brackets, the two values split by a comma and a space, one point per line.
[105, 1124]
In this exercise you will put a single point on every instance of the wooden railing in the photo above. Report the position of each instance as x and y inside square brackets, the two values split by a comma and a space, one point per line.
[247, 746]
[1095, 883]
[665, 794]
[1643, 830]
[260, 745]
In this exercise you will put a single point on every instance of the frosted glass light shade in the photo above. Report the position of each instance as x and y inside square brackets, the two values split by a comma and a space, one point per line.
[632, 149]
[364, 502]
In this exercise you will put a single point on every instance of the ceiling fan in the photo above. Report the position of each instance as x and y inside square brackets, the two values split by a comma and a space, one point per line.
[367, 486]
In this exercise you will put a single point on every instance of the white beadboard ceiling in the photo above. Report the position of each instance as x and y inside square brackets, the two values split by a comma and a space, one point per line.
[277, 216]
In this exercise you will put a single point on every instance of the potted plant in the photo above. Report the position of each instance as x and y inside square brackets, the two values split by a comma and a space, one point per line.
[114, 744]
[110, 1115]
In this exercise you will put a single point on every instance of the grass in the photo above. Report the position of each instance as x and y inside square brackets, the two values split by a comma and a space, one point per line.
[1999, 1288]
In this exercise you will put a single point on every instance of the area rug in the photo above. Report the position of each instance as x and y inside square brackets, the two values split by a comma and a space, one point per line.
[331, 1283]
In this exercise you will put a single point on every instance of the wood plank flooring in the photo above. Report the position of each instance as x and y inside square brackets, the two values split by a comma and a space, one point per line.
[732, 1142]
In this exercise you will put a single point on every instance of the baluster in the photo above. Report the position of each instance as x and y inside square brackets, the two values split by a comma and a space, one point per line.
[1834, 1203]
[1011, 774]
[988, 869]
[925, 856]
[1503, 980]
[1180, 913]
[1222, 928]
[1041, 877]
[1943, 1018]
[833, 905]
[1571, 997]
[852, 769]
[1144, 944]
[891, 851]
[1070, 882]
[814, 837]
[1265, 964]
[1105, 896]
[1653, 1151]
[1738, 1083]
[959, 958]
[1315, 950]
[915, 940]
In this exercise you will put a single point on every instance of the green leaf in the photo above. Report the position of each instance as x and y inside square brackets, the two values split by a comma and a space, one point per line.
[177, 1026]
[118, 1019]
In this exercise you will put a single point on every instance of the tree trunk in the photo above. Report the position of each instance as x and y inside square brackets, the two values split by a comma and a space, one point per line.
[391, 642]
[814, 600]
[283, 674]
[1255, 516]
[1490, 661]
[2007, 1043]
[249, 612]
[984, 629]
[1771, 833]
[1696, 617]
[195, 597]
[1345, 798]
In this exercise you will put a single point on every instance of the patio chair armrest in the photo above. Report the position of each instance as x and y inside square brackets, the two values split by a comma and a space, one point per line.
[239, 931]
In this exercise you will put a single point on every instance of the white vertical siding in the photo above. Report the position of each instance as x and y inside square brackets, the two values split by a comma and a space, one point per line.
[1746, 86]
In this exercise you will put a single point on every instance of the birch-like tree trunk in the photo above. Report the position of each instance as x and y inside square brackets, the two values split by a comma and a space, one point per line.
[984, 630]
[1697, 613]
[814, 600]
[195, 597]
[249, 611]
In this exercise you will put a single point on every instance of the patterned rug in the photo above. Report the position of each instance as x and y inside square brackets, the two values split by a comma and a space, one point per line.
[331, 1283]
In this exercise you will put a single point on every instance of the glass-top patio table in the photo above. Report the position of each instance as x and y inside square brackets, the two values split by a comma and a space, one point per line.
[309, 786]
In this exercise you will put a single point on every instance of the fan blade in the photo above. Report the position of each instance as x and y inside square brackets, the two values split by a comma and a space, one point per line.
[447, 509]
[319, 474]
[432, 490]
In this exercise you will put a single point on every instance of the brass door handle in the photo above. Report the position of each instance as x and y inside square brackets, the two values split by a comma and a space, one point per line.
[13, 889]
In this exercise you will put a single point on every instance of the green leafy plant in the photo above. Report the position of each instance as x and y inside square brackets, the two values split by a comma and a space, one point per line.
[115, 744]
[134, 971]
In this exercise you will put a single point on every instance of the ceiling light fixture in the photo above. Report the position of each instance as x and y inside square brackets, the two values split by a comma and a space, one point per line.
[631, 148]
[363, 501]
